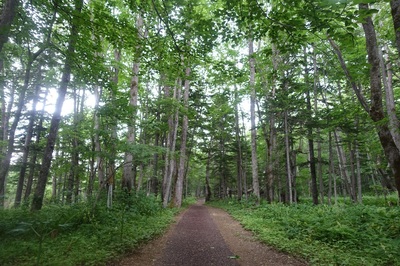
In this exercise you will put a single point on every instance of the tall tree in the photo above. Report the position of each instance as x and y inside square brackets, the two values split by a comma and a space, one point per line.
[128, 175]
[254, 162]
[76, 22]
[312, 159]
[170, 160]
[183, 155]
[28, 140]
[376, 112]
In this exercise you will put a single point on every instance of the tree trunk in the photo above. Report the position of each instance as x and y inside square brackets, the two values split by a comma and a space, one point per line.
[32, 162]
[208, 174]
[387, 77]
[254, 163]
[376, 113]
[6, 19]
[5, 162]
[27, 144]
[171, 145]
[358, 167]
[239, 160]
[331, 173]
[395, 8]
[73, 172]
[271, 144]
[154, 179]
[312, 164]
[99, 159]
[289, 196]
[128, 178]
[183, 157]
[342, 166]
[55, 120]
[319, 148]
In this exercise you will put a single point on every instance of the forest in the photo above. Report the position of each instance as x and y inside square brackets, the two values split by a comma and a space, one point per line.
[123, 111]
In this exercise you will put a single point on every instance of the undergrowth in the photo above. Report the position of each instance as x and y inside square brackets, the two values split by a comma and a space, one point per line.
[325, 235]
[80, 234]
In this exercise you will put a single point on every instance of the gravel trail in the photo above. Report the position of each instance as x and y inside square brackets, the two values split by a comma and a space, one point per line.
[206, 236]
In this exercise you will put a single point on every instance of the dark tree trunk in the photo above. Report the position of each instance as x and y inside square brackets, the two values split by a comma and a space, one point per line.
[239, 162]
[183, 156]
[37, 201]
[27, 146]
[312, 161]
[208, 187]
[154, 179]
[7, 16]
[376, 111]
[395, 7]
[5, 162]
[32, 161]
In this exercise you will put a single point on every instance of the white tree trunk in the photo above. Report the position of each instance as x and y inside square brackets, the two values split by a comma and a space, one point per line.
[387, 77]
[342, 164]
[128, 174]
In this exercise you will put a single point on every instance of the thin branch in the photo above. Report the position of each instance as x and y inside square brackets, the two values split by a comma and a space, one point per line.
[356, 89]
[167, 26]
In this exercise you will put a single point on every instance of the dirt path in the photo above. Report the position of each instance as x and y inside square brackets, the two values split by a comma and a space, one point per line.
[205, 236]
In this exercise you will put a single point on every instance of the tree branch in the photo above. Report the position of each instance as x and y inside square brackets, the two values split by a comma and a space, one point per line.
[356, 89]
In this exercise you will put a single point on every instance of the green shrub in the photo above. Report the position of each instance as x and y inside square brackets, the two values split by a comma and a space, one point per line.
[338, 235]
[57, 235]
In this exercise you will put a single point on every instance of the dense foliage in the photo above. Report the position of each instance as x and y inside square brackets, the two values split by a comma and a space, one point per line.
[344, 234]
[80, 234]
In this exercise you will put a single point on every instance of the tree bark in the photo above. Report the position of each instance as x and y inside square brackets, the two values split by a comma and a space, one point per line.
[154, 179]
[254, 163]
[332, 175]
[128, 178]
[183, 157]
[6, 19]
[289, 195]
[358, 167]
[5, 163]
[342, 165]
[376, 112]
[387, 78]
[74, 160]
[271, 144]
[5, 119]
[395, 10]
[208, 174]
[239, 160]
[27, 144]
[32, 162]
[312, 163]
[171, 145]
[319, 148]
[55, 120]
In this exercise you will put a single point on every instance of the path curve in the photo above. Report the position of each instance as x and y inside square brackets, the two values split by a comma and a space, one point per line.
[204, 236]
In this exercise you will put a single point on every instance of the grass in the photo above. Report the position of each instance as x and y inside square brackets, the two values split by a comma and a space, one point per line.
[79, 234]
[325, 235]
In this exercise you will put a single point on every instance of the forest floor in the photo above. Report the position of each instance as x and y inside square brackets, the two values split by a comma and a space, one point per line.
[203, 236]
